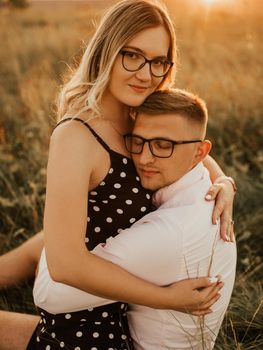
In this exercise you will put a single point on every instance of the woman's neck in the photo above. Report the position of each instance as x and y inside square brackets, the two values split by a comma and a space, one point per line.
[117, 113]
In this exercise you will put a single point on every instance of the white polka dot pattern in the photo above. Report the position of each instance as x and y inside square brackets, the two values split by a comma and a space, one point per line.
[117, 185]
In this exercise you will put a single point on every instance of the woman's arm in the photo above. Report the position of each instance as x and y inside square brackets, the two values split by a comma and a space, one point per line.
[70, 170]
[223, 192]
[214, 169]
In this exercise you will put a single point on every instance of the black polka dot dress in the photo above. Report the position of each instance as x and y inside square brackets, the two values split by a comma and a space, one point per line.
[117, 202]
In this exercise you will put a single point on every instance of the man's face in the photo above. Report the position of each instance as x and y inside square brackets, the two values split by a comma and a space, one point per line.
[157, 172]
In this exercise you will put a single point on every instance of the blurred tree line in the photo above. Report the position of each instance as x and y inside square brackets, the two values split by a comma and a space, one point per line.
[14, 3]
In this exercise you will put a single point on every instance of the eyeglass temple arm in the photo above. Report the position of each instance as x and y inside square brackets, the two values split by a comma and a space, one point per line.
[182, 142]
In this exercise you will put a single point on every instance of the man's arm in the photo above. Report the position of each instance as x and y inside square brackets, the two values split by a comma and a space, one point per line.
[149, 249]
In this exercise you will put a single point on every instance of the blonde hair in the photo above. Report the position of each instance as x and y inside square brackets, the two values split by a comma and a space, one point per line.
[122, 21]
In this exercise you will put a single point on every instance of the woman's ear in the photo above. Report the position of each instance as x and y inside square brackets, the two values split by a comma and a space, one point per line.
[202, 151]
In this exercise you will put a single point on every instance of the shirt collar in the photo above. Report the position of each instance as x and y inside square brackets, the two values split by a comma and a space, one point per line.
[168, 192]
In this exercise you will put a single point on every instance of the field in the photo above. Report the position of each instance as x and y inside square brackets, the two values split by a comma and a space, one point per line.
[220, 58]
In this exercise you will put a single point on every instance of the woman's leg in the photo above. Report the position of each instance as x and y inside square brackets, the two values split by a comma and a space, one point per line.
[20, 263]
[16, 330]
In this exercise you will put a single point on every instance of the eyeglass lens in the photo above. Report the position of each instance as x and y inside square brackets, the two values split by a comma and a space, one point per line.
[158, 147]
[133, 61]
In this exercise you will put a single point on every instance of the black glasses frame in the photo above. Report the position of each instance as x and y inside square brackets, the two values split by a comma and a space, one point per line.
[124, 52]
[173, 142]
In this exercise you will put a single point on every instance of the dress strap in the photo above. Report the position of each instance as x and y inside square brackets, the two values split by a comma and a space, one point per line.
[98, 138]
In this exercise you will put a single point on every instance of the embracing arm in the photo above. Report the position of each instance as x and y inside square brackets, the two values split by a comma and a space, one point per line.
[223, 192]
[151, 249]
[70, 169]
[214, 169]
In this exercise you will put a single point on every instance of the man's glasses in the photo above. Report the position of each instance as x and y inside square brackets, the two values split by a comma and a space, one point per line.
[134, 61]
[159, 147]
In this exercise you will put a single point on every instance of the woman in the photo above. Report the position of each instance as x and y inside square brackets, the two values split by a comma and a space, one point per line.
[107, 82]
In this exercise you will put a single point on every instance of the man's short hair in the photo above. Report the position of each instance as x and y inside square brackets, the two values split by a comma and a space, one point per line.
[175, 101]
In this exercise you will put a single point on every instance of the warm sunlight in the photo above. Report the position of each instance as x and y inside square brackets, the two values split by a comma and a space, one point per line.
[217, 2]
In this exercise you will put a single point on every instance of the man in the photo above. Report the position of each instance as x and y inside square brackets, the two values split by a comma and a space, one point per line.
[175, 242]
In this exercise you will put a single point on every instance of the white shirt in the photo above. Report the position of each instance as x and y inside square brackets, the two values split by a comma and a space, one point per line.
[175, 242]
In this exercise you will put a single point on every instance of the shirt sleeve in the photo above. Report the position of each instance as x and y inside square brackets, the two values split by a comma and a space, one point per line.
[150, 249]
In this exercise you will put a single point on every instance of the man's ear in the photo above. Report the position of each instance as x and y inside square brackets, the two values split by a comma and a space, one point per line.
[202, 150]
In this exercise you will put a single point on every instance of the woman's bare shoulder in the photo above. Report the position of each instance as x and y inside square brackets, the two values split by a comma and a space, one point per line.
[75, 135]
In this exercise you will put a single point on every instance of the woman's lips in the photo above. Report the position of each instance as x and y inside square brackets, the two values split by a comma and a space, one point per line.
[138, 88]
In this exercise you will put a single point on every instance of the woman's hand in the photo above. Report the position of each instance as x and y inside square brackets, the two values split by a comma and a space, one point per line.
[223, 191]
[196, 295]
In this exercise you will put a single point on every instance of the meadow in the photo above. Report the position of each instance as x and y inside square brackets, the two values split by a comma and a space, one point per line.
[219, 57]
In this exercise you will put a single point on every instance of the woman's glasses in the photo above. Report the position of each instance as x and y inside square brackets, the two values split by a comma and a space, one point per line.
[134, 61]
[159, 147]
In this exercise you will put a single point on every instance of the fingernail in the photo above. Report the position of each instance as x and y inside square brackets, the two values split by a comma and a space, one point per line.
[227, 238]
[208, 197]
[213, 279]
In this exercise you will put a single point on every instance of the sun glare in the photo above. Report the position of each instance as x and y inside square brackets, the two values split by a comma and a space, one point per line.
[216, 2]
[209, 2]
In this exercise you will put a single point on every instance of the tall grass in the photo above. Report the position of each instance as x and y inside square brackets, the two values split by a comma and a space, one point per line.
[220, 58]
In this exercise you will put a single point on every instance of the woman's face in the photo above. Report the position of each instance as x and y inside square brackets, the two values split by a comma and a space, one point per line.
[131, 88]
